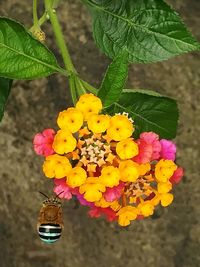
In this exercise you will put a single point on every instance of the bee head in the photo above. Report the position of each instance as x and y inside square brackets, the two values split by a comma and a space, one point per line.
[52, 200]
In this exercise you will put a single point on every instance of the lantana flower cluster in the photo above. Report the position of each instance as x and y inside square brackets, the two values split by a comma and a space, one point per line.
[94, 157]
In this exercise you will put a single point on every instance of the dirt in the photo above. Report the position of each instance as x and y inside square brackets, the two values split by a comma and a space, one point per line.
[169, 239]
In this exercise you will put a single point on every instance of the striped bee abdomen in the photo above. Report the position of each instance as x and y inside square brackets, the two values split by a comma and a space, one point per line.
[49, 233]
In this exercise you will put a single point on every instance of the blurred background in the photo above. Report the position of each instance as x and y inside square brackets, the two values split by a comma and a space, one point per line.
[172, 237]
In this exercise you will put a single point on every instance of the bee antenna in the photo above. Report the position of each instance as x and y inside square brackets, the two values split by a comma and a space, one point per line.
[43, 194]
[59, 194]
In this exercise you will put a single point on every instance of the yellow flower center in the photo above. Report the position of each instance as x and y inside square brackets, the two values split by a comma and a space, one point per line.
[141, 188]
[94, 150]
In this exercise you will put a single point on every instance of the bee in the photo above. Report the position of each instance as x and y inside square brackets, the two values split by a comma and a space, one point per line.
[50, 221]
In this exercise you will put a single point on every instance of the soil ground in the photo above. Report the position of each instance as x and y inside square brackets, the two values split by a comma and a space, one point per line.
[169, 239]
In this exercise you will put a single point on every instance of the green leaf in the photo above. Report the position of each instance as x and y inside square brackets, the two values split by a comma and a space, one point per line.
[150, 113]
[21, 55]
[149, 29]
[142, 91]
[5, 86]
[114, 80]
[88, 87]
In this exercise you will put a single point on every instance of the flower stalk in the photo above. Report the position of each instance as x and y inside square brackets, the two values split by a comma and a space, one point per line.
[60, 38]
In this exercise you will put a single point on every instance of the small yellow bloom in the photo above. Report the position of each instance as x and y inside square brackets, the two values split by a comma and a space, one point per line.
[64, 142]
[166, 199]
[115, 205]
[92, 189]
[85, 161]
[107, 138]
[70, 119]
[132, 200]
[89, 104]
[144, 168]
[127, 149]
[146, 208]
[155, 200]
[75, 155]
[126, 215]
[120, 128]
[107, 149]
[110, 158]
[80, 143]
[98, 123]
[56, 166]
[164, 187]
[91, 167]
[101, 162]
[129, 171]
[84, 132]
[76, 177]
[110, 176]
[103, 203]
[164, 170]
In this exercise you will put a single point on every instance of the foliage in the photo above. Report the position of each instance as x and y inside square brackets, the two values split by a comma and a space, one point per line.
[149, 112]
[149, 30]
[127, 31]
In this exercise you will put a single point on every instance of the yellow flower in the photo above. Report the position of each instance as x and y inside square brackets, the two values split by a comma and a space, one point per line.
[56, 166]
[146, 208]
[64, 142]
[164, 187]
[164, 170]
[110, 158]
[84, 132]
[115, 205]
[156, 199]
[103, 203]
[91, 167]
[127, 149]
[70, 119]
[129, 171]
[92, 189]
[126, 215]
[76, 177]
[166, 199]
[132, 200]
[98, 123]
[110, 176]
[120, 128]
[89, 104]
[144, 168]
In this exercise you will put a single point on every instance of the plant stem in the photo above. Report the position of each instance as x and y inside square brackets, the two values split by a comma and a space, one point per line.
[43, 19]
[60, 38]
[35, 16]
[89, 87]
[72, 86]
[80, 88]
[77, 86]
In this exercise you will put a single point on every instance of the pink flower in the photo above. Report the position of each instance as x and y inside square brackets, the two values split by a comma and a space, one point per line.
[42, 142]
[114, 193]
[110, 214]
[177, 176]
[61, 186]
[168, 149]
[82, 200]
[149, 147]
[96, 212]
